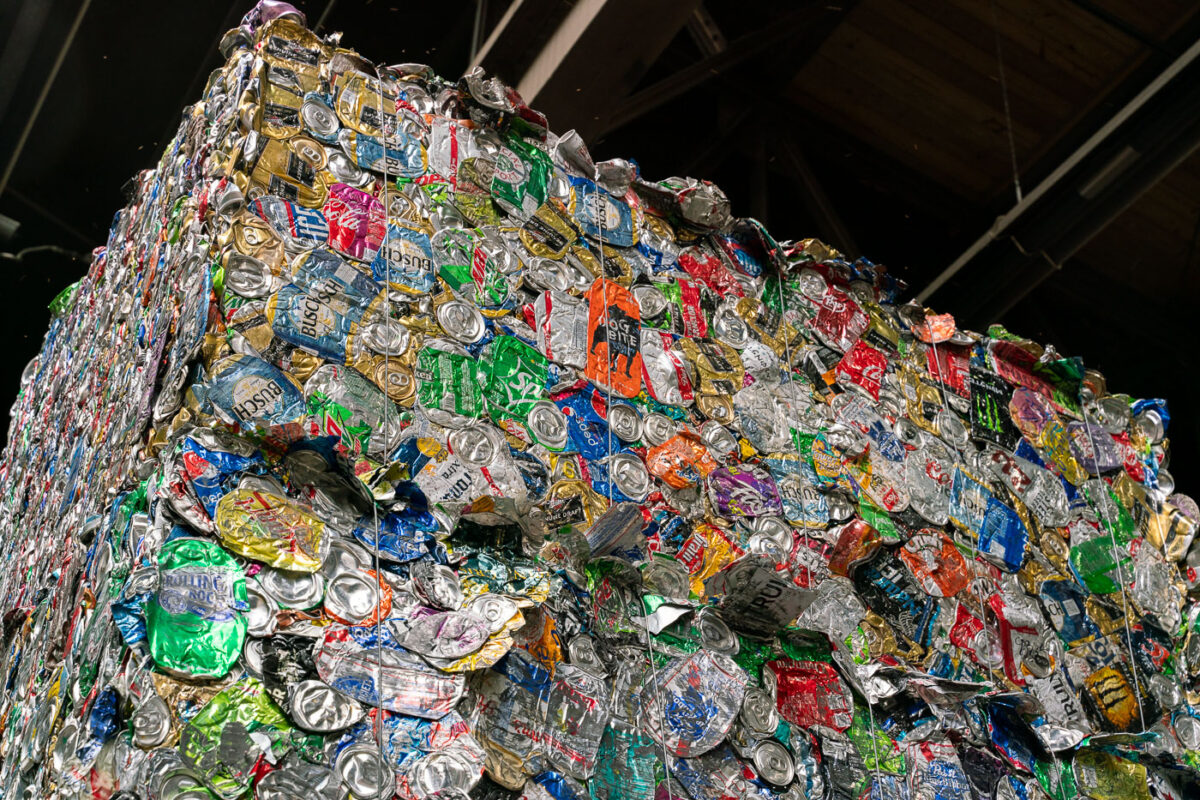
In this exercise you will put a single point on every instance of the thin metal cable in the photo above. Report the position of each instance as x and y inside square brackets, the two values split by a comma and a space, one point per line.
[788, 352]
[1008, 126]
[662, 708]
[874, 736]
[387, 401]
[1112, 537]
[601, 212]
[983, 604]
[787, 349]
[608, 401]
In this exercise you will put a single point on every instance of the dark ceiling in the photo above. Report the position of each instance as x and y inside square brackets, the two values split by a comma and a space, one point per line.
[877, 125]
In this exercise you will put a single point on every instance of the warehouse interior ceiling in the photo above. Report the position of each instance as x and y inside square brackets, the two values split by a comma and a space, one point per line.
[895, 129]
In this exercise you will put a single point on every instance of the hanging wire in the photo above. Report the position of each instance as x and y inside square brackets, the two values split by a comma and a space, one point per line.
[1008, 125]
[983, 602]
[874, 735]
[602, 216]
[796, 441]
[387, 322]
[601, 211]
[787, 349]
[1112, 537]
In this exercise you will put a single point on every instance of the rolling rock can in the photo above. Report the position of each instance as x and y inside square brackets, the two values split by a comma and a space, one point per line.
[431, 459]
[196, 621]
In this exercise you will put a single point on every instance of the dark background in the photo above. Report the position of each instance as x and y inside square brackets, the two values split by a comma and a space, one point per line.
[876, 125]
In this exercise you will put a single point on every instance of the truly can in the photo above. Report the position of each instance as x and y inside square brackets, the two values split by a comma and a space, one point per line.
[686, 298]
[442, 476]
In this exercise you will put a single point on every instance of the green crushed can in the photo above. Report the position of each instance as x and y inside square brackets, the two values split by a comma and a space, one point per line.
[522, 173]
[515, 378]
[223, 742]
[879, 751]
[448, 382]
[195, 624]
[1114, 518]
[1100, 565]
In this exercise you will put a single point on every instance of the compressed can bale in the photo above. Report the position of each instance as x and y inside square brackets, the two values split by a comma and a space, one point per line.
[392, 446]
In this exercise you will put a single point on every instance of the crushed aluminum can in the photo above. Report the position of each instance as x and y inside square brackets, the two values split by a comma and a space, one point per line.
[319, 708]
[363, 772]
[689, 706]
[429, 458]
[374, 669]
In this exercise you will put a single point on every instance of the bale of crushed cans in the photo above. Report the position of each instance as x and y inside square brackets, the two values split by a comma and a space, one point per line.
[391, 447]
